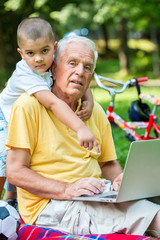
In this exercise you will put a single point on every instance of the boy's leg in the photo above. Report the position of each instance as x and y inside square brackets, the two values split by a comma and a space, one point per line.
[10, 194]
[3, 155]
[10, 191]
[3, 137]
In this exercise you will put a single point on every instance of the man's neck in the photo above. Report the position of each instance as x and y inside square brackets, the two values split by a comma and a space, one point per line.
[70, 100]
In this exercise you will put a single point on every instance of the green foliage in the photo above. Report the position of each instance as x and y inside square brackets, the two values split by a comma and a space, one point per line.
[107, 66]
[103, 18]
[12, 4]
[4, 75]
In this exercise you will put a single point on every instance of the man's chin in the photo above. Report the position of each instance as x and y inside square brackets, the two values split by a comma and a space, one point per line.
[76, 94]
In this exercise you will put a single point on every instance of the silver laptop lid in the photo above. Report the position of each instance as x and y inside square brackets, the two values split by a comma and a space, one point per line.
[141, 177]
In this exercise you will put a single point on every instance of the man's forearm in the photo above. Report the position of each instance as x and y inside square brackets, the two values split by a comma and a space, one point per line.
[20, 175]
[37, 184]
[111, 169]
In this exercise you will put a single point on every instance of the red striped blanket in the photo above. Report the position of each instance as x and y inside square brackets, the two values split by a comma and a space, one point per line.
[29, 232]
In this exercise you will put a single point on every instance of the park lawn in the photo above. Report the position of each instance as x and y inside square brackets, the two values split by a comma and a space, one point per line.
[122, 103]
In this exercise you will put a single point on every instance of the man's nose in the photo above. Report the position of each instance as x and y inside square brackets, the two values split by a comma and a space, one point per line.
[38, 58]
[80, 69]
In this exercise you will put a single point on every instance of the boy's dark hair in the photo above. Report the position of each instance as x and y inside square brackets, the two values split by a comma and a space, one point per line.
[34, 28]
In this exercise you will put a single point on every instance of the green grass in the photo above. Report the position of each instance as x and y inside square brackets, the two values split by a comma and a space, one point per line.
[122, 103]
[3, 193]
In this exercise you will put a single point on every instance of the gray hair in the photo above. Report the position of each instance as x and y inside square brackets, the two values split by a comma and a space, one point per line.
[62, 44]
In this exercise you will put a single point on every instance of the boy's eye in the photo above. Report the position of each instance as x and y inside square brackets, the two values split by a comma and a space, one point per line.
[45, 51]
[30, 53]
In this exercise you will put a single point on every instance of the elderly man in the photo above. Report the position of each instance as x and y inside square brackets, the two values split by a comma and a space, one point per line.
[49, 167]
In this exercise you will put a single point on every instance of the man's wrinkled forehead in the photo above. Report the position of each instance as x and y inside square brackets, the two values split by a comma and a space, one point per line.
[82, 51]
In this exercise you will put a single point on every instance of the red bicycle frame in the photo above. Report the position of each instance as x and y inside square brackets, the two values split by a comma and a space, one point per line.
[128, 127]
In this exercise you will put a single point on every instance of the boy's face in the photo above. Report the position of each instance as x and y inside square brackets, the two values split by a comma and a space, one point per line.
[38, 53]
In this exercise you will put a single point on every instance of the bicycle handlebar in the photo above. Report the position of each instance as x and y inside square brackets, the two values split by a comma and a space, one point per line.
[143, 79]
[124, 85]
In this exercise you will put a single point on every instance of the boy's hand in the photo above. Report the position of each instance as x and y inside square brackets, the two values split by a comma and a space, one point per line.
[85, 111]
[87, 139]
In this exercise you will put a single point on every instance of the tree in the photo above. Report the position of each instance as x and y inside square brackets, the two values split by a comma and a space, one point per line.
[11, 15]
[119, 18]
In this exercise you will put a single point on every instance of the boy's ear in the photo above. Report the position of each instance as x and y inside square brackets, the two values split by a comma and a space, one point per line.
[55, 45]
[53, 70]
[20, 52]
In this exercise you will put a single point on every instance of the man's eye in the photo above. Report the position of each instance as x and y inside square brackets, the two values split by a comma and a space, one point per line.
[72, 63]
[30, 53]
[45, 51]
[88, 68]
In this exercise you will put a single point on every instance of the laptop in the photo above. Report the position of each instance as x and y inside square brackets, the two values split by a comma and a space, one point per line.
[141, 177]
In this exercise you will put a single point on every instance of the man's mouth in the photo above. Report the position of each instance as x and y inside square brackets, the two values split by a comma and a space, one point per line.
[76, 82]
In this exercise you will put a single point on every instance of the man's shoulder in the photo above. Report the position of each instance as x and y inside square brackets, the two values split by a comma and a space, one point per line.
[27, 105]
[98, 108]
[25, 99]
[99, 114]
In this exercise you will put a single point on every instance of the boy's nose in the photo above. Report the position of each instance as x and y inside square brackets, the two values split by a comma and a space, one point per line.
[38, 58]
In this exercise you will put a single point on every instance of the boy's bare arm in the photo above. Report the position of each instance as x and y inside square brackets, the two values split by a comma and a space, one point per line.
[65, 114]
[87, 106]
[88, 96]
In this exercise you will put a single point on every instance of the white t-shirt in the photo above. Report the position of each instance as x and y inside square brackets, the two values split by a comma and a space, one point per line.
[23, 79]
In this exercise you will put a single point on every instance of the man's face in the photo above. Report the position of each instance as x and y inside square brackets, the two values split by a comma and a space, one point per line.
[38, 53]
[74, 70]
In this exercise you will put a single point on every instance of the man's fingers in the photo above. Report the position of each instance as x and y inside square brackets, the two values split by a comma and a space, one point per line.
[89, 186]
[115, 186]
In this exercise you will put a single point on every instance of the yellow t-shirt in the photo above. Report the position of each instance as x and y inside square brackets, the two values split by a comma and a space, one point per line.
[55, 149]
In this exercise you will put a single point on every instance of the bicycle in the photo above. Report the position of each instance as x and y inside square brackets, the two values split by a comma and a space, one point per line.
[128, 127]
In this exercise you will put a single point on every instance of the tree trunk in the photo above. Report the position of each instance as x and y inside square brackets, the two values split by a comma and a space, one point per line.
[2, 50]
[9, 22]
[105, 34]
[155, 55]
[123, 51]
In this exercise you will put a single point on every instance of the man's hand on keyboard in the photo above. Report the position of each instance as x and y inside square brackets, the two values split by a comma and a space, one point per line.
[117, 182]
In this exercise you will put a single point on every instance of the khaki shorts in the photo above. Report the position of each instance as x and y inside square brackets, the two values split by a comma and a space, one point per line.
[76, 217]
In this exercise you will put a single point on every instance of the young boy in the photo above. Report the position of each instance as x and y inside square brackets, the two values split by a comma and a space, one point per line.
[36, 45]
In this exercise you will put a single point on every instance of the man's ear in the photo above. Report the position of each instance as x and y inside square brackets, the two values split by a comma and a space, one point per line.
[92, 75]
[20, 52]
[53, 67]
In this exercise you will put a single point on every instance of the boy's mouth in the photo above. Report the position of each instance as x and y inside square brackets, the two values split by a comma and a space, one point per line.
[40, 66]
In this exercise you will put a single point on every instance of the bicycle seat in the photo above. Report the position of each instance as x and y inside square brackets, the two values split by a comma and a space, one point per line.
[150, 98]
